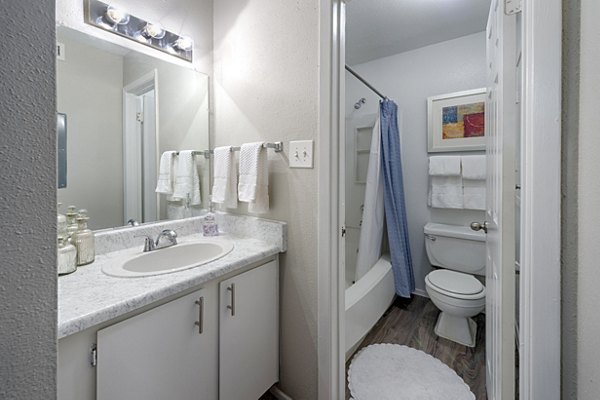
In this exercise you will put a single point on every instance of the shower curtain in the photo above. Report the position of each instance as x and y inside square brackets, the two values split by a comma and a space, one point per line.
[371, 230]
[395, 209]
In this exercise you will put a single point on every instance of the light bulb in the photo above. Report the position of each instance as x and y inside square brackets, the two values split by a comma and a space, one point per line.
[117, 16]
[184, 43]
[153, 31]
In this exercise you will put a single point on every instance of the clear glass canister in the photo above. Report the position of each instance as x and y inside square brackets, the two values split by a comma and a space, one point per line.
[83, 240]
[71, 220]
[66, 257]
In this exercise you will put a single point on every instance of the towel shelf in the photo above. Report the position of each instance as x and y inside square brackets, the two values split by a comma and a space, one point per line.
[277, 146]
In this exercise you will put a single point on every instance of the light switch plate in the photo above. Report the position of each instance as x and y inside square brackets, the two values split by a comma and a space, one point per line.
[301, 154]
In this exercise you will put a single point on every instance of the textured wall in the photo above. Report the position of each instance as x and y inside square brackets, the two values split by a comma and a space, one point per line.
[266, 88]
[588, 295]
[569, 211]
[409, 78]
[27, 202]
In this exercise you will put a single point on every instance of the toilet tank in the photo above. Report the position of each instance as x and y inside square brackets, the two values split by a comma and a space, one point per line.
[454, 247]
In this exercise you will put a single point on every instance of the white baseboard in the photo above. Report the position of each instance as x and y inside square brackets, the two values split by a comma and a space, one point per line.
[420, 292]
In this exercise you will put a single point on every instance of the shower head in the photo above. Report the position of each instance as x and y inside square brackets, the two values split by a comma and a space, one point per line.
[359, 103]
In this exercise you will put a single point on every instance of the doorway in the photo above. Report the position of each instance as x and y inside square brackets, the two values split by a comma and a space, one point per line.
[140, 149]
[537, 27]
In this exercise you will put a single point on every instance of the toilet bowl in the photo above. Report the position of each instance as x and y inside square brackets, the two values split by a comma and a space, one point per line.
[459, 253]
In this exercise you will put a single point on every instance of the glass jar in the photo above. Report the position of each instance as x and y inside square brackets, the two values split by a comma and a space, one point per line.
[83, 240]
[71, 220]
[61, 224]
[66, 256]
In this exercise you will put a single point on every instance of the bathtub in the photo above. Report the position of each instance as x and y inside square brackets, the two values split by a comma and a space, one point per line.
[366, 301]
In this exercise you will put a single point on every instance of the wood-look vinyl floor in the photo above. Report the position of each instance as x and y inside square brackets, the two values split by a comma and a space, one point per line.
[412, 324]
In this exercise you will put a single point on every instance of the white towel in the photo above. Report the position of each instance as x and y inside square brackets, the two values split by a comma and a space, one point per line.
[446, 192]
[164, 184]
[253, 187]
[444, 166]
[473, 167]
[445, 182]
[187, 182]
[474, 194]
[224, 189]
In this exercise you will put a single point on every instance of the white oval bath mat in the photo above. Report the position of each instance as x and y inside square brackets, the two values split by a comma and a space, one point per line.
[396, 372]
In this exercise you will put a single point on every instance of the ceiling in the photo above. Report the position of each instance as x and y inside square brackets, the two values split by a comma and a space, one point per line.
[381, 28]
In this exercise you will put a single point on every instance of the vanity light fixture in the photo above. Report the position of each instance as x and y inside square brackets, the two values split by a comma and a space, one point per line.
[115, 20]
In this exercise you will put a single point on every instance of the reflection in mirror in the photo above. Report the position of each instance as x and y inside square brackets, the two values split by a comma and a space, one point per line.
[125, 109]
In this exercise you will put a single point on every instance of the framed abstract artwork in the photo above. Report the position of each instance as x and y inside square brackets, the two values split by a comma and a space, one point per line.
[456, 121]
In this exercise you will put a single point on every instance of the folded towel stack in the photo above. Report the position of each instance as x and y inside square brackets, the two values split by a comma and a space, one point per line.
[253, 187]
[474, 175]
[446, 182]
[224, 189]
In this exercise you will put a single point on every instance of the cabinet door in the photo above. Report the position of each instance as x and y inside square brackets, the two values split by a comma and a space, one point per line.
[249, 333]
[161, 354]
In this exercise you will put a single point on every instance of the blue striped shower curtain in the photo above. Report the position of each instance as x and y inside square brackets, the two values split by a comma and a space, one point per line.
[395, 209]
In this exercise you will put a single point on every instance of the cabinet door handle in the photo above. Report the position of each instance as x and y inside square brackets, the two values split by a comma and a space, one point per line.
[232, 306]
[200, 322]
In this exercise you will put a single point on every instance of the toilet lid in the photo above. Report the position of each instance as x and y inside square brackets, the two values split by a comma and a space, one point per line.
[455, 282]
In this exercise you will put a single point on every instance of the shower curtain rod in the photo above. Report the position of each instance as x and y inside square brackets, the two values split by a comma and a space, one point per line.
[360, 78]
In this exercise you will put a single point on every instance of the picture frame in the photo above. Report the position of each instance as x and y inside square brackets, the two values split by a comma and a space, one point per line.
[456, 121]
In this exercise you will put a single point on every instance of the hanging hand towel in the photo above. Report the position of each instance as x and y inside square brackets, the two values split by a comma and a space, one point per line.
[446, 183]
[474, 175]
[224, 177]
[253, 187]
[164, 184]
[187, 182]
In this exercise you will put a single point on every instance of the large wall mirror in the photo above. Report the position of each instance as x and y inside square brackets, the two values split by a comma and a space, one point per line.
[124, 109]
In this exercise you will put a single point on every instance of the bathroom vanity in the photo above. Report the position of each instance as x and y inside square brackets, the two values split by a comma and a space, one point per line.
[208, 332]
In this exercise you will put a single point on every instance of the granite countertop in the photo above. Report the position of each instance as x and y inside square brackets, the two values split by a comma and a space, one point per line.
[88, 297]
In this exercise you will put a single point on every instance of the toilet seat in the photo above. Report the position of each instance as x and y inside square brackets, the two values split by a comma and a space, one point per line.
[455, 284]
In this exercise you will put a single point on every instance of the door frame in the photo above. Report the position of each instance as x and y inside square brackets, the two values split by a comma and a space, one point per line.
[539, 367]
[142, 85]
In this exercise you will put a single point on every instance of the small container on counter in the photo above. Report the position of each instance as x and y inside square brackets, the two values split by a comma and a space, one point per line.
[66, 256]
[71, 220]
[209, 225]
[84, 241]
[61, 224]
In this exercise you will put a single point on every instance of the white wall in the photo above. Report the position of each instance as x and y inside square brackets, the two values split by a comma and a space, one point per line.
[266, 88]
[28, 201]
[94, 130]
[588, 329]
[409, 78]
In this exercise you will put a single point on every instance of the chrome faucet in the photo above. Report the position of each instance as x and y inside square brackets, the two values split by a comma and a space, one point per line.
[151, 245]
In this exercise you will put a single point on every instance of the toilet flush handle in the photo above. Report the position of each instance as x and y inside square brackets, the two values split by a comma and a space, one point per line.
[476, 226]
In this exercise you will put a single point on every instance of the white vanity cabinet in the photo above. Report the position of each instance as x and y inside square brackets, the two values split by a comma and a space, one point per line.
[249, 333]
[168, 352]
[214, 343]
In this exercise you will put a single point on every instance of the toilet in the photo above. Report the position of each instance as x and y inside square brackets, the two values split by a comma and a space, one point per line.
[459, 254]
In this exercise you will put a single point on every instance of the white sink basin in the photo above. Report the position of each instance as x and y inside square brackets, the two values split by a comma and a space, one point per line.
[168, 260]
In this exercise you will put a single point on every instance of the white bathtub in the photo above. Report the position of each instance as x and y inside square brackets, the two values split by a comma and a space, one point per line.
[366, 301]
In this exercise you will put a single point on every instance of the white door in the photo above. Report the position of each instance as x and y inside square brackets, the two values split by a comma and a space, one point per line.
[162, 353]
[249, 333]
[502, 130]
